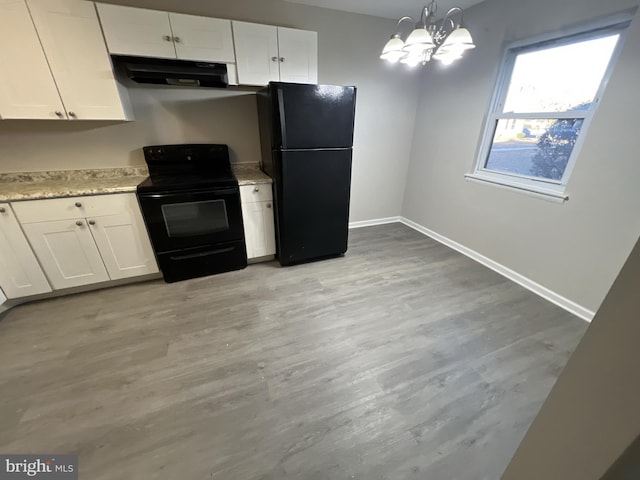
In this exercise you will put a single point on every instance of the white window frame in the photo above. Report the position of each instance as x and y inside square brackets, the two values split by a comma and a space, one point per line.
[552, 189]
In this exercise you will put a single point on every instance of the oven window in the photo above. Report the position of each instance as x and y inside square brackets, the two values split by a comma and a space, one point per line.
[195, 218]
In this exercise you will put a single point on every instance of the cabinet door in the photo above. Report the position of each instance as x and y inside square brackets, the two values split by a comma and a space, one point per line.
[202, 38]
[298, 55]
[259, 230]
[124, 245]
[27, 89]
[73, 43]
[256, 53]
[67, 252]
[136, 31]
[20, 273]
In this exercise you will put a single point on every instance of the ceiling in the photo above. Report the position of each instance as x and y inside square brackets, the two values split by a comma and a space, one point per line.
[386, 8]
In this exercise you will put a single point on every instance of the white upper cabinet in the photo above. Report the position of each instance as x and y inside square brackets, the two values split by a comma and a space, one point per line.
[298, 58]
[202, 38]
[153, 33]
[27, 88]
[74, 46]
[136, 31]
[265, 53]
[256, 53]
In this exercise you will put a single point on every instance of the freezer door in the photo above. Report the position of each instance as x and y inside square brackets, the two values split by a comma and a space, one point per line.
[313, 116]
[312, 204]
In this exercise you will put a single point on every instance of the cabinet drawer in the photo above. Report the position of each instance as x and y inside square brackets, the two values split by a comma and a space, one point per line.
[260, 192]
[32, 211]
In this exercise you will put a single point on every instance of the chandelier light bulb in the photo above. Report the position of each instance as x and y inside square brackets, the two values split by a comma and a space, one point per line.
[412, 60]
[392, 51]
[419, 40]
[459, 39]
[447, 59]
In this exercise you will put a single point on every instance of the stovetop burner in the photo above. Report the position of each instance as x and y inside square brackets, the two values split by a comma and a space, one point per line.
[186, 167]
[170, 183]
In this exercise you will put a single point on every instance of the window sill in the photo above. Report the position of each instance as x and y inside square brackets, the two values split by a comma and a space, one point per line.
[514, 185]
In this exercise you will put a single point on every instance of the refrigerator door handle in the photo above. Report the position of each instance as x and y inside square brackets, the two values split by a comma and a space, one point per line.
[283, 123]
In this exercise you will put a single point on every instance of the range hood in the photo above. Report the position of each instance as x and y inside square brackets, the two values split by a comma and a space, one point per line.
[160, 71]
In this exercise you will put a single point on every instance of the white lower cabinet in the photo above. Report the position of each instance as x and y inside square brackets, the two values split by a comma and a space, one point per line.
[20, 272]
[67, 252]
[123, 244]
[85, 240]
[257, 215]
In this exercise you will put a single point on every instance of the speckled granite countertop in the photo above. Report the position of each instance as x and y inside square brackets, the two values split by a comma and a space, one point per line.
[71, 183]
[250, 174]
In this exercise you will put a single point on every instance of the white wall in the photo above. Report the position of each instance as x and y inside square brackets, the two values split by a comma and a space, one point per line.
[349, 46]
[163, 116]
[591, 415]
[574, 249]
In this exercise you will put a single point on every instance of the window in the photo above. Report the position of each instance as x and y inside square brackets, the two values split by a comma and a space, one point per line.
[545, 97]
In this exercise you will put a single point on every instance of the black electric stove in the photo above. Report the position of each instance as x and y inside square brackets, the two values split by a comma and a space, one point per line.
[191, 206]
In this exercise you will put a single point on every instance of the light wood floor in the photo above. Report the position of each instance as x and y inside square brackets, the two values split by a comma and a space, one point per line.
[402, 360]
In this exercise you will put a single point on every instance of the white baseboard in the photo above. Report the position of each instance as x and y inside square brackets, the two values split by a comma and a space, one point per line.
[544, 292]
[375, 221]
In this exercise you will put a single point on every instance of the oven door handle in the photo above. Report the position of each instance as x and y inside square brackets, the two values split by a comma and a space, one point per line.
[190, 256]
[213, 192]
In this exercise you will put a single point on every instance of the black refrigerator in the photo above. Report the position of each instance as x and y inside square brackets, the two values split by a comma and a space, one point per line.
[306, 134]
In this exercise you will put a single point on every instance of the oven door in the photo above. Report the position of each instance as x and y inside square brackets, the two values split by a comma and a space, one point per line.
[179, 220]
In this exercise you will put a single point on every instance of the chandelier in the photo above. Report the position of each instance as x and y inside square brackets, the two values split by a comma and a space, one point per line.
[445, 40]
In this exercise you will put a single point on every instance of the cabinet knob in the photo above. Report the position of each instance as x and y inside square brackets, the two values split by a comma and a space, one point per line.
[3, 210]
[256, 189]
[59, 114]
[72, 114]
[268, 205]
[92, 222]
[78, 204]
[79, 223]
[282, 59]
[166, 38]
[177, 39]
[274, 59]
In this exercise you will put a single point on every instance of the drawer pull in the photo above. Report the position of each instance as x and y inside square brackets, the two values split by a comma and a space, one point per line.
[78, 204]
[256, 189]
[268, 205]
[3, 210]
[79, 223]
[203, 254]
[92, 222]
